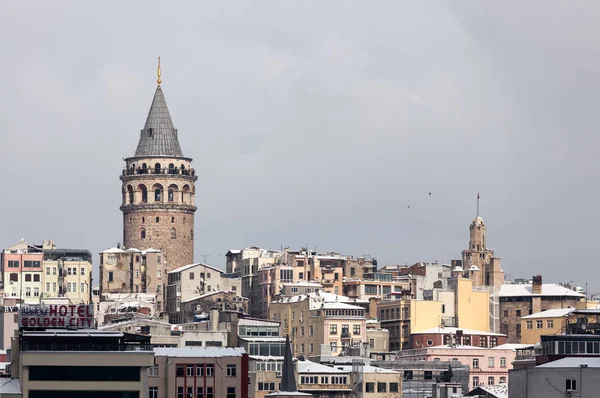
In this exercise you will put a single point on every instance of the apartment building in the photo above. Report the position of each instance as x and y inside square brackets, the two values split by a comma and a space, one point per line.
[35, 272]
[549, 322]
[323, 381]
[207, 372]
[81, 363]
[376, 285]
[520, 300]
[67, 273]
[132, 270]
[193, 280]
[374, 382]
[321, 322]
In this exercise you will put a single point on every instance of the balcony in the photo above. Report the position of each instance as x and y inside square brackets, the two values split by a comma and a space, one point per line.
[327, 282]
[345, 336]
[173, 171]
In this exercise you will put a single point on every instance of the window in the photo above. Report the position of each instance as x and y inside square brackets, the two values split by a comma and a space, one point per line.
[190, 392]
[381, 387]
[333, 346]
[483, 341]
[179, 371]
[191, 275]
[475, 381]
[356, 329]
[491, 381]
[286, 275]
[393, 387]
[36, 292]
[428, 375]
[31, 264]
[143, 234]
[47, 286]
[493, 341]
[333, 329]
[443, 308]
[529, 324]
[27, 277]
[110, 276]
[371, 343]
[311, 331]
[199, 392]
[502, 362]
[153, 371]
[157, 219]
[505, 313]
[153, 392]
[157, 195]
[13, 263]
[82, 287]
[370, 387]
[189, 370]
[310, 347]
[28, 292]
[231, 370]
[539, 324]
[518, 312]
[230, 392]
[53, 270]
[550, 324]
[571, 384]
[502, 380]
[210, 370]
[170, 195]
[173, 233]
[47, 270]
[54, 287]
[475, 363]
[14, 277]
[491, 362]
[180, 393]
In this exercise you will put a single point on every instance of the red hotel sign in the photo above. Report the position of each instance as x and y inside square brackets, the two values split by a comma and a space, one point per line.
[79, 316]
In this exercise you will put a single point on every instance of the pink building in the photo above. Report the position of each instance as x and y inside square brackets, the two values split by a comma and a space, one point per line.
[489, 366]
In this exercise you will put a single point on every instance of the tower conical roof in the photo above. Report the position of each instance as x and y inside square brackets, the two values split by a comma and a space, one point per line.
[288, 381]
[159, 136]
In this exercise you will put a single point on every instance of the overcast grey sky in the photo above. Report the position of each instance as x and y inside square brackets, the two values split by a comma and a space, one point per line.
[315, 122]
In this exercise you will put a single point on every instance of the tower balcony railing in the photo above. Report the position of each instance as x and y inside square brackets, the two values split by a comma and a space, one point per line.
[173, 171]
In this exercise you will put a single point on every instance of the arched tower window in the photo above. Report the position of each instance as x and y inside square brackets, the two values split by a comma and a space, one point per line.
[142, 188]
[173, 233]
[130, 194]
[170, 195]
[158, 190]
[172, 219]
[157, 219]
[192, 234]
[185, 194]
[143, 219]
[157, 168]
[143, 234]
[172, 169]
[144, 169]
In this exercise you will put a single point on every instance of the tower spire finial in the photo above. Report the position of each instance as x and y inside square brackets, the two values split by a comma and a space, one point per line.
[158, 81]
[477, 204]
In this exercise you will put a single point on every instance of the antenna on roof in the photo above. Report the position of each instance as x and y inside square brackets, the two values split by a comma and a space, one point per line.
[477, 204]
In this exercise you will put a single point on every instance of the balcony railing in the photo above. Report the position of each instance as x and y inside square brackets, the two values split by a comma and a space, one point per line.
[184, 172]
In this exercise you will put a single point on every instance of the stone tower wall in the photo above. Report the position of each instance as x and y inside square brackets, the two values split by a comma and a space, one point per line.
[166, 221]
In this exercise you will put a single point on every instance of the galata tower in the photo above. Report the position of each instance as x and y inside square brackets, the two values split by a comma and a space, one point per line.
[159, 190]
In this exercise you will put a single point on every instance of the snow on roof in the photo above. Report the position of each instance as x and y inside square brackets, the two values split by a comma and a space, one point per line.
[513, 346]
[264, 339]
[143, 321]
[368, 369]
[341, 306]
[235, 251]
[496, 390]
[452, 330]
[204, 296]
[150, 250]
[113, 250]
[320, 257]
[265, 358]
[200, 352]
[12, 386]
[572, 362]
[303, 284]
[320, 297]
[548, 289]
[555, 313]
[457, 347]
[307, 366]
[186, 267]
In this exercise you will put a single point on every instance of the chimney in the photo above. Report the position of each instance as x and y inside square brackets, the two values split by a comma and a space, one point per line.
[536, 286]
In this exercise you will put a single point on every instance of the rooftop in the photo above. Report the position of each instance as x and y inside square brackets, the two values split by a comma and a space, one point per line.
[307, 366]
[189, 266]
[159, 136]
[555, 313]
[368, 369]
[497, 391]
[452, 330]
[548, 289]
[199, 352]
[573, 362]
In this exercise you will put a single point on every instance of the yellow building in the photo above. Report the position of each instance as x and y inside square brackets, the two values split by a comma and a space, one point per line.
[549, 322]
[472, 305]
[67, 273]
